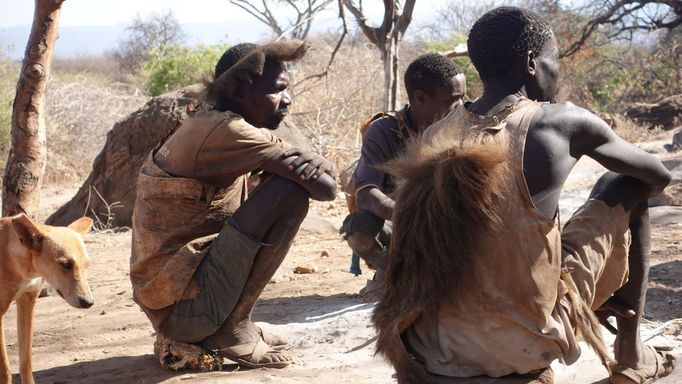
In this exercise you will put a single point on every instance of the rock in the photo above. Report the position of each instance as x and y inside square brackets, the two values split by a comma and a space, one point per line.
[655, 146]
[314, 224]
[660, 216]
[108, 194]
[666, 112]
[671, 196]
[305, 269]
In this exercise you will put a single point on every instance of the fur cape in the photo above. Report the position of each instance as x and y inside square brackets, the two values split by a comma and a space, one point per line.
[446, 199]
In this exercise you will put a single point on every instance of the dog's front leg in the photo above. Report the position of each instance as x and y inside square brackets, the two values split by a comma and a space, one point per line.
[5, 373]
[25, 306]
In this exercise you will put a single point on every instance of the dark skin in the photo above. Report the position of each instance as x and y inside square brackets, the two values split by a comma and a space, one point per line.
[276, 207]
[558, 136]
[426, 107]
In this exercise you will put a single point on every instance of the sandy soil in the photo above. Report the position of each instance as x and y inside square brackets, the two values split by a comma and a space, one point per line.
[326, 321]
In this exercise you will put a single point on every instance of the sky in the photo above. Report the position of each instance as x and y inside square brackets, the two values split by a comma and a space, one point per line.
[93, 26]
[111, 12]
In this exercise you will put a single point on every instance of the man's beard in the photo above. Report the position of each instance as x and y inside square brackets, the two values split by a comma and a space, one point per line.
[275, 120]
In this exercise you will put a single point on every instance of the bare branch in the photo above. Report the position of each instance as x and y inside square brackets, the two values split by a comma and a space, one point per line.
[263, 16]
[373, 34]
[406, 16]
[342, 16]
[298, 28]
[626, 17]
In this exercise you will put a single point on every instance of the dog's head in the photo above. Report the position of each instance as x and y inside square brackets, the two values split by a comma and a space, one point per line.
[58, 255]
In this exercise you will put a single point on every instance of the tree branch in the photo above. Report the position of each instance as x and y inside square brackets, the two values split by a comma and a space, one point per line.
[342, 16]
[624, 16]
[373, 34]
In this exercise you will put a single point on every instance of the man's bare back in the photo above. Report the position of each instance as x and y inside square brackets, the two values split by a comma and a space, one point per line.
[515, 53]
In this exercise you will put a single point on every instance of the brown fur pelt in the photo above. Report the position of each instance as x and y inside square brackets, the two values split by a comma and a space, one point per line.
[445, 200]
[177, 356]
[252, 65]
[586, 323]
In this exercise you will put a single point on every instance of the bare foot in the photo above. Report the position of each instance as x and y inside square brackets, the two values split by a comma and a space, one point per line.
[269, 338]
[652, 365]
[244, 345]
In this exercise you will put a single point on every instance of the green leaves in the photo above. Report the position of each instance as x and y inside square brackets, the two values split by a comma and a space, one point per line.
[173, 66]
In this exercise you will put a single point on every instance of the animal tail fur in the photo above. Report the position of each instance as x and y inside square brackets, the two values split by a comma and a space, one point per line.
[445, 201]
[586, 323]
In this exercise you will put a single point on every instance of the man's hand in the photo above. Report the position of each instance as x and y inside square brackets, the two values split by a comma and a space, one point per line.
[612, 307]
[309, 165]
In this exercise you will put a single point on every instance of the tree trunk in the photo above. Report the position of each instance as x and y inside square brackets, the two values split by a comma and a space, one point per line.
[391, 78]
[26, 161]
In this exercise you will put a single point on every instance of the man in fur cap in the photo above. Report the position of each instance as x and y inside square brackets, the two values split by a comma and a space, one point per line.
[482, 279]
[204, 245]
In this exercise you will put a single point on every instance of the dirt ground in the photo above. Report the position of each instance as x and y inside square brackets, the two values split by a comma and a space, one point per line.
[326, 321]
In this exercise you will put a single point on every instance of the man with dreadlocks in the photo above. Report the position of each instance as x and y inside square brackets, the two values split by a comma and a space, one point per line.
[481, 279]
[204, 246]
[435, 85]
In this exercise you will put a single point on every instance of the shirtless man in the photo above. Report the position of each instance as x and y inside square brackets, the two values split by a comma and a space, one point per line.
[522, 290]
[434, 85]
[204, 246]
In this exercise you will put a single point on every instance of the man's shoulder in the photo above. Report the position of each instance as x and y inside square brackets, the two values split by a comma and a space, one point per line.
[383, 122]
[564, 110]
[215, 118]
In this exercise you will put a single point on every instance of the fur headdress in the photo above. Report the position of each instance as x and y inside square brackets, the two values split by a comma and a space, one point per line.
[252, 65]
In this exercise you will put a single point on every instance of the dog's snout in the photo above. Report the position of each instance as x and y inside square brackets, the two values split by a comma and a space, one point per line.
[86, 303]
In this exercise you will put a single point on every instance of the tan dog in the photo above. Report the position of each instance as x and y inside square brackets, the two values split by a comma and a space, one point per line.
[29, 254]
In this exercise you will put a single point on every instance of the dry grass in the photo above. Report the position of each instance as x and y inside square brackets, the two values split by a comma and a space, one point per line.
[330, 110]
[81, 109]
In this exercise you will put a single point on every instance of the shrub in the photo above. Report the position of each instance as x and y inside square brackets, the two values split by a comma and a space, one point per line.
[474, 85]
[9, 75]
[175, 66]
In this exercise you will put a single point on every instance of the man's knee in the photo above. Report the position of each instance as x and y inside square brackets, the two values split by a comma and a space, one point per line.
[286, 193]
[613, 189]
[601, 184]
[362, 221]
[363, 232]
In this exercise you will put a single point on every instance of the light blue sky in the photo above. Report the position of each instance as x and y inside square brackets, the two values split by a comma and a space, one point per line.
[111, 12]
[95, 26]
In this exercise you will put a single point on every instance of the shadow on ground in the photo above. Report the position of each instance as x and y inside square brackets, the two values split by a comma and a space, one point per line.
[143, 369]
[305, 309]
[664, 295]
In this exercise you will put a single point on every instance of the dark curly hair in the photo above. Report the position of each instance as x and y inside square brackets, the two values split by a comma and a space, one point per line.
[232, 56]
[502, 36]
[428, 72]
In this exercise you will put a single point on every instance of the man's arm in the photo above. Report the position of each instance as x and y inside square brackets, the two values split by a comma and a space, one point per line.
[373, 200]
[322, 187]
[594, 138]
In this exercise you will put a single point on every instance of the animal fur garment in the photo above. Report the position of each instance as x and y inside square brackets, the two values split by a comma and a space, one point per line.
[585, 322]
[445, 200]
[251, 65]
[176, 355]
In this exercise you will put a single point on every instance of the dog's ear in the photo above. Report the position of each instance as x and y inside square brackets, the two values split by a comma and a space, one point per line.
[81, 225]
[29, 234]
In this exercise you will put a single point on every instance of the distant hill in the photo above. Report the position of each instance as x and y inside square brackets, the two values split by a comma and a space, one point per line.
[94, 40]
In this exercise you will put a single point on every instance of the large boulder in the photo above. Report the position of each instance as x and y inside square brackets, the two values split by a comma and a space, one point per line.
[666, 112]
[108, 194]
